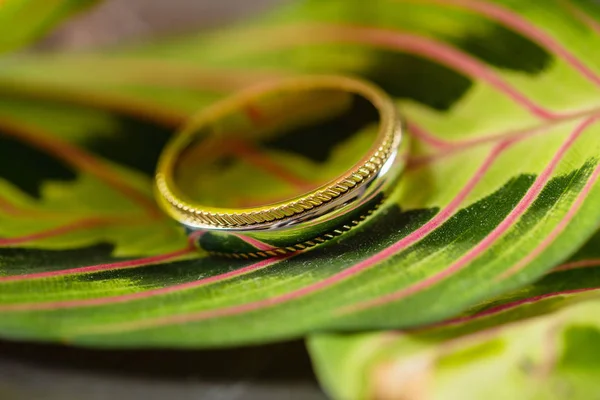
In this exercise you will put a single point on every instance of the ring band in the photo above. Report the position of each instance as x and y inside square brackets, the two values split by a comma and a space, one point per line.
[292, 118]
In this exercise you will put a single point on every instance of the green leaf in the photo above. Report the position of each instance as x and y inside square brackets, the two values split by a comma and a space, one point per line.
[536, 342]
[23, 21]
[501, 183]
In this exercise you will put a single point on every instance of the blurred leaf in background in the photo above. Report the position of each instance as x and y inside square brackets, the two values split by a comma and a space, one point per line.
[22, 21]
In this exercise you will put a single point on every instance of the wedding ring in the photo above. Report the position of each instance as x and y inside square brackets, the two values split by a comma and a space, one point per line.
[283, 166]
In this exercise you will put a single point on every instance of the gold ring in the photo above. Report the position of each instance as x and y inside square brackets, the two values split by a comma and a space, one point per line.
[282, 166]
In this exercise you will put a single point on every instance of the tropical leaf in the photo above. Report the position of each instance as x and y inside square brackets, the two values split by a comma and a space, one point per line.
[536, 342]
[23, 21]
[500, 185]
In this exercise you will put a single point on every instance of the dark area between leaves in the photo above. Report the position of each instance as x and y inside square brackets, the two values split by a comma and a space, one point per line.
[29, 176]
[278, 371]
